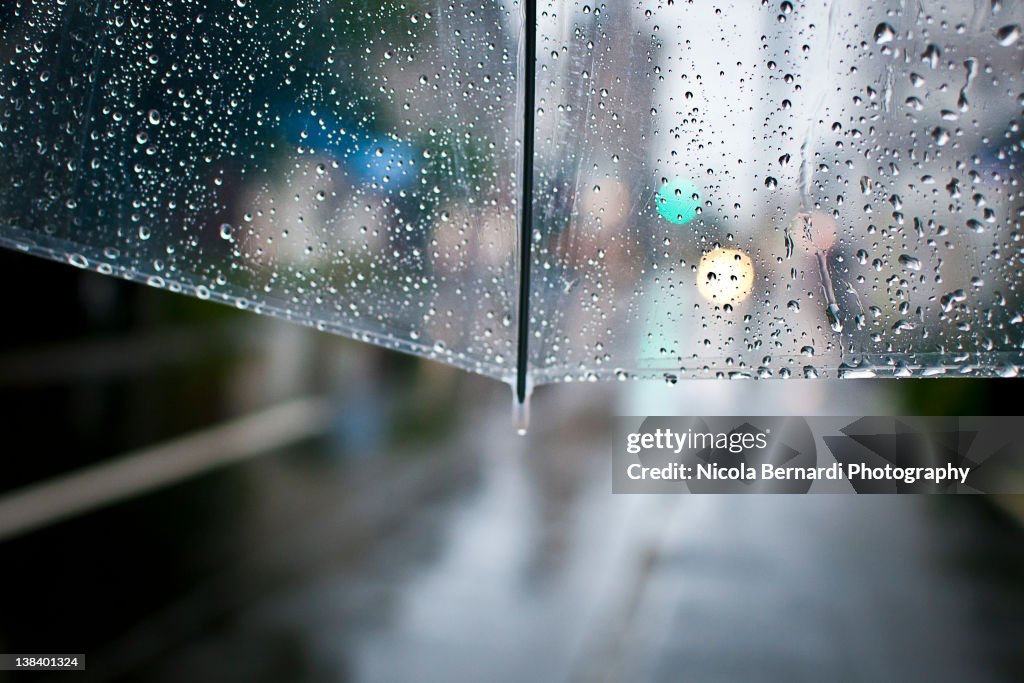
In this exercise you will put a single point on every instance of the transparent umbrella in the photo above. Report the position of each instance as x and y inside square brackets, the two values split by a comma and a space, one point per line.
[712, 189]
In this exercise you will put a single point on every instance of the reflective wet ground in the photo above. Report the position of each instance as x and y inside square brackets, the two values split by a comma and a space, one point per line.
[486, 557]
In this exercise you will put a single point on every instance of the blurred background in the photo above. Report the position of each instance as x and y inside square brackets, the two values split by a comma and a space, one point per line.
[389, 525]
[191, 491]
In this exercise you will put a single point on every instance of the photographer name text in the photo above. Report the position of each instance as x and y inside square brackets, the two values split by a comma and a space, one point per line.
[770, 472]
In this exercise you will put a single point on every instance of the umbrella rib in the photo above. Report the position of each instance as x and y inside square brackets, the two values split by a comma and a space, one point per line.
[526, 199]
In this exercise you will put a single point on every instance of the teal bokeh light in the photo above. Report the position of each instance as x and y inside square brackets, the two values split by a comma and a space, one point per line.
[677, 201]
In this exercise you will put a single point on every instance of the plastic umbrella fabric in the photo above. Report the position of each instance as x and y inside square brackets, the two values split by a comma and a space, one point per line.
[721, 189]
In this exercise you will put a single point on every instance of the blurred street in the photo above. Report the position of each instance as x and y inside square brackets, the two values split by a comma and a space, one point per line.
[476, 555]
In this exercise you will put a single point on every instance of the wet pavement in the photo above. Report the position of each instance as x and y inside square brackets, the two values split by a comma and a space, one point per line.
[488, 557]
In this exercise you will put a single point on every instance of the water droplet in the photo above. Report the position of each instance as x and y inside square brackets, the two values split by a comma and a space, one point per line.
[834, 321]
[884, 33]
[909, 262]
[1008, 35]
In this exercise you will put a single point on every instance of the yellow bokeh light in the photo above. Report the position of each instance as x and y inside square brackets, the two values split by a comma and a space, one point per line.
[725, 276]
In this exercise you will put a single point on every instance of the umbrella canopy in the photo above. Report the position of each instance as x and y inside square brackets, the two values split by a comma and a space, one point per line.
[712, 189]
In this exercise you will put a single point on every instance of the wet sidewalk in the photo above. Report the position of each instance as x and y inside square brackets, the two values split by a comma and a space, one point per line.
[514, 562]
[504, 559]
